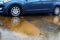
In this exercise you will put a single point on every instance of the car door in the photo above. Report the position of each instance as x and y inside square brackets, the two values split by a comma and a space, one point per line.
[32, 5]
[46, 4]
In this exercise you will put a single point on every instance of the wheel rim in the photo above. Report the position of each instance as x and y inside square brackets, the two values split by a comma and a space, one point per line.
[57, 11]
[15, 11]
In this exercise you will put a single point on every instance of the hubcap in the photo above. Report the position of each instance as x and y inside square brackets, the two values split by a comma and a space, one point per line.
[15, 11]
[57, 11]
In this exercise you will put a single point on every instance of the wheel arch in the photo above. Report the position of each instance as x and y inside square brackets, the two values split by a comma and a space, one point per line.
[55, 7]
[13, 5]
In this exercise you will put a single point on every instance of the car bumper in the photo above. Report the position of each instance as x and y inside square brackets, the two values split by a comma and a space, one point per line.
[1, 9]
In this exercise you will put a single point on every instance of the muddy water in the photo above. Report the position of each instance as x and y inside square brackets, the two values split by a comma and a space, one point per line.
[30, 28]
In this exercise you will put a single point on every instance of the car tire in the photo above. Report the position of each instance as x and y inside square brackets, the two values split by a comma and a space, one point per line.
[57, 11]
[15, 11]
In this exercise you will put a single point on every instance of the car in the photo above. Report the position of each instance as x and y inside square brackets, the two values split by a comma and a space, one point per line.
[18, 7]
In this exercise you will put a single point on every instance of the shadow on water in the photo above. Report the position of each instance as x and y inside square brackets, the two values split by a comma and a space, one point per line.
[29, 14]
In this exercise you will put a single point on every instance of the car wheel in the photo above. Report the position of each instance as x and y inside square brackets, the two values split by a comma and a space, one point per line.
[15, 11]
[57, 11]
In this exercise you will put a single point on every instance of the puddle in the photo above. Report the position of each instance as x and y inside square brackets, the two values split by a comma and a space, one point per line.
[30, 28]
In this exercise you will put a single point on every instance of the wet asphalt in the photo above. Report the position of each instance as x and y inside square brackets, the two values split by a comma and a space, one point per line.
[30, 28]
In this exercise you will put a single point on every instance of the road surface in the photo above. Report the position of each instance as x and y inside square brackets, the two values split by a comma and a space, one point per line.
[30, 28]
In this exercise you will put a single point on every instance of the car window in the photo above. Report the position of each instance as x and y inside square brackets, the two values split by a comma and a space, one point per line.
[46, 0]
[33, 0]
[57, 0]
[3, 0]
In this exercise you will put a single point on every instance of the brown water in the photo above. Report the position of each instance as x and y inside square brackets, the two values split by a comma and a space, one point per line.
[30, 28]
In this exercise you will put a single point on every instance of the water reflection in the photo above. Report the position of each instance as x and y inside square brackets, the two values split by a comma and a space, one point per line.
[33, 26]
[21, 25]
[15, 21]
[55, 35]
[56, 20]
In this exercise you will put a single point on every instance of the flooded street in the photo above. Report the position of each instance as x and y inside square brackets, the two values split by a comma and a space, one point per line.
[30, 28]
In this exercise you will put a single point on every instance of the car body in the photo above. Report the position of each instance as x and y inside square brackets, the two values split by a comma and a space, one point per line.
[30, 6]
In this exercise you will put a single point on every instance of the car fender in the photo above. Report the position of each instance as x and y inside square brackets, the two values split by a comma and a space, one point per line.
[7, 5]
[56, 4]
